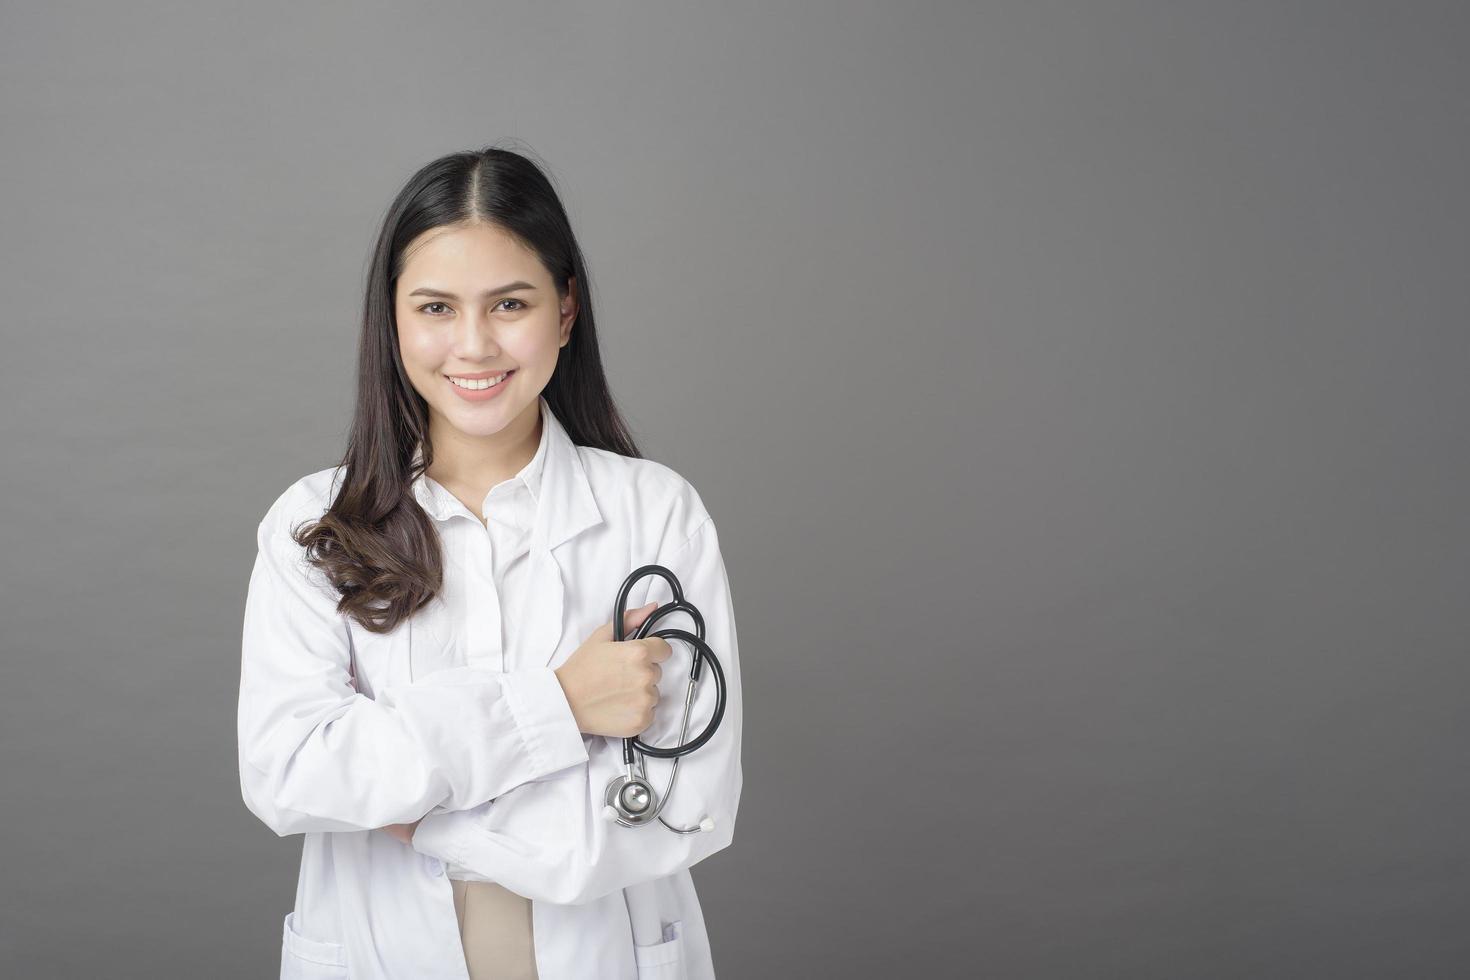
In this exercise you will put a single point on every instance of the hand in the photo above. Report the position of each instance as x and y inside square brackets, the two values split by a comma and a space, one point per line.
[403, 831]
[611, 685]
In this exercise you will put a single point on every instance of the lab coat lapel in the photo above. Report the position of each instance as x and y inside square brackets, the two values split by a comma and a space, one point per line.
[565, 507]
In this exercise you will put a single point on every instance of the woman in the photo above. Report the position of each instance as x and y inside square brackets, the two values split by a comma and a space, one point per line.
[430, 690]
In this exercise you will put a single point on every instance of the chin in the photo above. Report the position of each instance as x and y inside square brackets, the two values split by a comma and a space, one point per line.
[482, 420]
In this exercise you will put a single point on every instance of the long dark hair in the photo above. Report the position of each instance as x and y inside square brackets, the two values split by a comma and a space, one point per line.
[375, 543]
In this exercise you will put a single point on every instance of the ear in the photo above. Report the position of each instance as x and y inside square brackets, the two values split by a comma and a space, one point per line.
[569, 309]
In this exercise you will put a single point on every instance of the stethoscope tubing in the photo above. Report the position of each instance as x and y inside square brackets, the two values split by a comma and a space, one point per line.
[702, 653]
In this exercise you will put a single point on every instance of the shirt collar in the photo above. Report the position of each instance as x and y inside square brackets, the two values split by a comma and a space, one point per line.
[555, 476]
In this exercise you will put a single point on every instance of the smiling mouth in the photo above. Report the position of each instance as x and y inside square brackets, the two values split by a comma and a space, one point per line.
[479, 384]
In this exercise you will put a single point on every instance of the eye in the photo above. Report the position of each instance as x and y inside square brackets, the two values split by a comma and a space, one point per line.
[516, 309]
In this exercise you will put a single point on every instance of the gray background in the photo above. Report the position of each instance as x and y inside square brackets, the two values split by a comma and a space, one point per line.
[1079, 389]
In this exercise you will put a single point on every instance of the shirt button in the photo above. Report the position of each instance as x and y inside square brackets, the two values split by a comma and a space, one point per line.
[434, 866]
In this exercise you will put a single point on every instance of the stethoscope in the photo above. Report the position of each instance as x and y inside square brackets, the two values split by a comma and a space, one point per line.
[631, 799]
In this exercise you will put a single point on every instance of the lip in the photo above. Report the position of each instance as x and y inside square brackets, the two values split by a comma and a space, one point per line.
[478, 377]
[483, 395]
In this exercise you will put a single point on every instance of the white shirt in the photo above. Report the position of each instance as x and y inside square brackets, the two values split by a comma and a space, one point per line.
[456, 716]
[487, 560]
[487, 564]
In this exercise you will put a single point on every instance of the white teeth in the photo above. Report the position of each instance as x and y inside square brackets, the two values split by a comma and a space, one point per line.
[481, 384]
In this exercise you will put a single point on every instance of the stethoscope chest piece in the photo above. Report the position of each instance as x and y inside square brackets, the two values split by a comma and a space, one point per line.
[632, 800]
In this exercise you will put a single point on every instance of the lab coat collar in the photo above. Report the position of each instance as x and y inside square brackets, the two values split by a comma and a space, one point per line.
[556, 477]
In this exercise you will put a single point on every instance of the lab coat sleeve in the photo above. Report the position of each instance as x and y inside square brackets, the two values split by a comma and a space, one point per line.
[317, 755]
[548, 840]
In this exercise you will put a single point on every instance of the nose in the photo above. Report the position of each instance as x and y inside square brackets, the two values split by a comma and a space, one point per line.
[474, 338]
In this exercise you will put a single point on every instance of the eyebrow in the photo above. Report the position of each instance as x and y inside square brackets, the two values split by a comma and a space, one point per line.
[509, 287]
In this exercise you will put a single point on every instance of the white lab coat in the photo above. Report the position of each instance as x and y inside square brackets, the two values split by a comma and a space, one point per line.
[342, 731]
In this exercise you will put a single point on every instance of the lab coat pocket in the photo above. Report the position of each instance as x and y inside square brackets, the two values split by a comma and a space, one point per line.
[304, 958]
[665, 960]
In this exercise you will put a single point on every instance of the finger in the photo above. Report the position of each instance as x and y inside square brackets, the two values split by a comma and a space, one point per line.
[634, 618]
[659, 648]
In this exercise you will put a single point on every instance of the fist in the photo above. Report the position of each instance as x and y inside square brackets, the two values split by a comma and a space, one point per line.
[612, 686]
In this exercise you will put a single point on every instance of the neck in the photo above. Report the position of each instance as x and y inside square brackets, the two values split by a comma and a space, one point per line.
[480, 462]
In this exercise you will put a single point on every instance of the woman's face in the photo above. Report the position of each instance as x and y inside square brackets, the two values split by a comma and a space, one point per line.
[472, 300]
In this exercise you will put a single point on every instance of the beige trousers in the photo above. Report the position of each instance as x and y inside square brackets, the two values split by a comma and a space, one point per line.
[495, 929]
